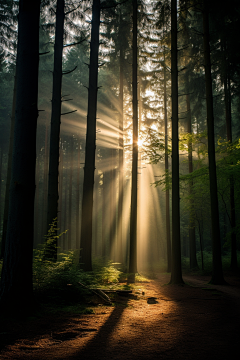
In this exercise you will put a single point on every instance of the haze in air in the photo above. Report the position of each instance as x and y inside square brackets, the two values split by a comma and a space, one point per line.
[119, 170]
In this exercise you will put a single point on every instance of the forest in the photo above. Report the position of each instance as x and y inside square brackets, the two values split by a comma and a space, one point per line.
[119, 151]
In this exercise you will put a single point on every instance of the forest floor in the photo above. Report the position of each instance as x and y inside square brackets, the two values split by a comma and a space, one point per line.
[193, 321]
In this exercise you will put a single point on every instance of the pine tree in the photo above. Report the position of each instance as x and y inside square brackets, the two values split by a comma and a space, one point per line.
[133, 215]
[176, 274]
[89, 167]
[217, 274]
[16, 280]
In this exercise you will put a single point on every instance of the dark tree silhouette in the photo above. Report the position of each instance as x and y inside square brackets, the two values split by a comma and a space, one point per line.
[176, 274]
[133, 214]
[217, 274]
[169, 250]
[52, 209]
[89, 166]
[16, 281]
[9, 167]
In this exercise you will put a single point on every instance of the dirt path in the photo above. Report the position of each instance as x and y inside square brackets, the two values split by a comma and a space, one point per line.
[186, 322]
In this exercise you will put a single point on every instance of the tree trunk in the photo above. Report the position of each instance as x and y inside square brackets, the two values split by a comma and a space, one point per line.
[201, 243]
[120, 155]
[60, 205]
[176, 275]
[217, 274]
[1, 157]
[133, 214]
[227, 96]
[52, 210]
[44, 228]
[65, 212]
[113, 206]
[105, 224]
[168, 234]
[70, 196]
[95, 252]
[9, 169]
[78, 197]
[16, 282]
[36, 206]
[192, 235]
[89, 167]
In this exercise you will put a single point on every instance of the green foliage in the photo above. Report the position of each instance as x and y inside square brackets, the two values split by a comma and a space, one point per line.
[105, 273]
[197, 143]
[196, 202]
[165, 181]
[58, 282]
[154, 146]
[48, 250]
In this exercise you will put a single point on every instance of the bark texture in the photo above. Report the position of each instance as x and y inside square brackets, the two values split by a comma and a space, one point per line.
[228, 112]
[9, 168]
[70, 186]
[176, 274]
[217, 274]
[52, 210]
[169, 250]
[192, 232]
[133, 214]
[78, 196]
[16, 281]
[89, 167]
[120, 155]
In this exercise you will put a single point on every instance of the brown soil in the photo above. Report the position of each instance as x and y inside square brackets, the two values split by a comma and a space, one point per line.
[194, 321]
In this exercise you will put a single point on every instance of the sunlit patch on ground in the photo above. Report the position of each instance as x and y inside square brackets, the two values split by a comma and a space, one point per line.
[185, 322]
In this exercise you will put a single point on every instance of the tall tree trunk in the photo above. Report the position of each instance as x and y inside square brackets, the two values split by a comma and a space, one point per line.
[16, 281]
[70, 196]
[78, 196]
[1, 158]
[217, 274]
[176, 275]
[169, 250]
[44, 228]
[52, 210]
[36, 207]
[227, 96]
[120, 155]
[65, 212]
[60, 205]
[192, 235]
[89, 167]
[113, 206]
[105, 224]
[95, 252]
[201, 242]
[9, 169]
[133, 214]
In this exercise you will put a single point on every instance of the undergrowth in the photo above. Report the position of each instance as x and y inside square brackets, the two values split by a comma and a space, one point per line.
[59, 284]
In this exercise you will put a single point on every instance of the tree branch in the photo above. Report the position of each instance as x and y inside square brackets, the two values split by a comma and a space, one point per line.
[70, 11]
[68, 72]
[69, 112]
[72, 44]
[44, 53]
